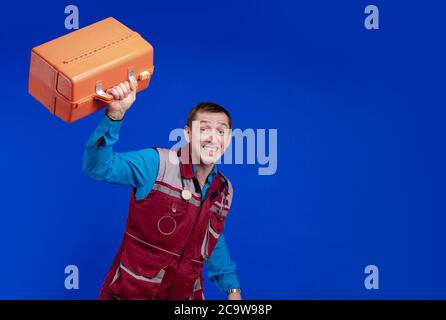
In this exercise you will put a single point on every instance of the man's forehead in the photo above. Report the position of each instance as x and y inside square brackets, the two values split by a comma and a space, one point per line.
[212, 118]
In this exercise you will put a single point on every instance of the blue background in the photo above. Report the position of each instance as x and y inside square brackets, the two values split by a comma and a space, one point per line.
[360, 117]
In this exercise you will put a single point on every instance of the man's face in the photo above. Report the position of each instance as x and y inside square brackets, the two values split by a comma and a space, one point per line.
[209, 136]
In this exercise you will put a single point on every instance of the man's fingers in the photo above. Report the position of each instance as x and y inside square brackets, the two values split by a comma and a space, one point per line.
[114, 93]
[127, 85]
[124, 89]
[120, 92]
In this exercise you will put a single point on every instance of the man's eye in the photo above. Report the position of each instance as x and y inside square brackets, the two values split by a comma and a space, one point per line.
[221, 132]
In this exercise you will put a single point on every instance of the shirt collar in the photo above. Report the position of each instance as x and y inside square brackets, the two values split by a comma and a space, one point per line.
[212, 173]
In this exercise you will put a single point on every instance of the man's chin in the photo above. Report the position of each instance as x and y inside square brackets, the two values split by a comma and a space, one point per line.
[209, 160]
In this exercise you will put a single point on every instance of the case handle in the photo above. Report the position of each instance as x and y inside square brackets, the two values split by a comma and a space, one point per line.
[106, 97]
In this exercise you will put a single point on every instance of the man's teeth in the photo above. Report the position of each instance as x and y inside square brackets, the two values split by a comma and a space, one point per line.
[210, 148]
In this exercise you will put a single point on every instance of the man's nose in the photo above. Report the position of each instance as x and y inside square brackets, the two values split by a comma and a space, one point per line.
[213, 136]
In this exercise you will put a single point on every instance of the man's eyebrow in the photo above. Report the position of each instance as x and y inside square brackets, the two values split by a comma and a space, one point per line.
[219, 122]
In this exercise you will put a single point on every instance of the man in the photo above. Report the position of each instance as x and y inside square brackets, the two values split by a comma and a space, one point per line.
[178, 206]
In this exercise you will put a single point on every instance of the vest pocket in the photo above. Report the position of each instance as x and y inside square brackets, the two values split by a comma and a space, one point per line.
[140, 272]
[215, 229]
[170, 205]
[217, 224]
[197, 290]
[128, 285]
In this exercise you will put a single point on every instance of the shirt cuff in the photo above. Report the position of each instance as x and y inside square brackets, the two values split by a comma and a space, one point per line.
[115, 120]
[228, 281]
[108, 129]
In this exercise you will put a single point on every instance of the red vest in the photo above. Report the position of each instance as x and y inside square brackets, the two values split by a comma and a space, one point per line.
[168, 236]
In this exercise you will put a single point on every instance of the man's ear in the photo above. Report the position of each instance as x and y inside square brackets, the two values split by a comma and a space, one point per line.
[187, 133]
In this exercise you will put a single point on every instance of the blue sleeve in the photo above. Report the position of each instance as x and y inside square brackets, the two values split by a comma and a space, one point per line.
[221, 269]
[137, 169]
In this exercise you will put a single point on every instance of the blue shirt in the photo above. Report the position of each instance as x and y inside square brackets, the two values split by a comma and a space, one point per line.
[139, 169]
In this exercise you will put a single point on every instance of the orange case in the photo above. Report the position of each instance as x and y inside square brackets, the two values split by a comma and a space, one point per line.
[69, 75]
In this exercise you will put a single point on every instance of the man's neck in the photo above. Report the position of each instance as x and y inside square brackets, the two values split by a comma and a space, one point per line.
[203, 171]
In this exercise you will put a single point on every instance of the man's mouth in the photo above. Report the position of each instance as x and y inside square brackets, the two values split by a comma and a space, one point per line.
[209, 148]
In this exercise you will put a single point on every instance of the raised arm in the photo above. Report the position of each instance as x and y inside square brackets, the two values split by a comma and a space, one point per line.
[137, 168]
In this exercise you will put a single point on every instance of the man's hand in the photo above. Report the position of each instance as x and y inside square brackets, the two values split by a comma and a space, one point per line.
[125, 94]
[234, 296]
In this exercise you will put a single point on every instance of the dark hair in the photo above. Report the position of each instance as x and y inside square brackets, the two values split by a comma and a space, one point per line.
[207, 107]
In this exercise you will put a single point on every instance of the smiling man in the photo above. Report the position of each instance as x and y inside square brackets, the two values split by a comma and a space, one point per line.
[178, 206]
